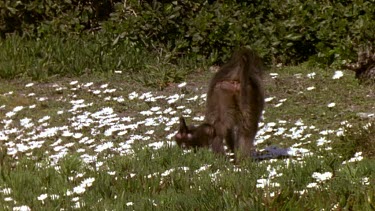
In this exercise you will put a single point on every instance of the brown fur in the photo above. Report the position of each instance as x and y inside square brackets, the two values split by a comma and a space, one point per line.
[235, 102]
[194, 137]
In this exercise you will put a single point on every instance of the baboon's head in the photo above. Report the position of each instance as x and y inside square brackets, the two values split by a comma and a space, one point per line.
[193, 137]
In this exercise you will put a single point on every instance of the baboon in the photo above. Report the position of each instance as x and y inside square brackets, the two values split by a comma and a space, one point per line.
[202, 135]
[235, 102]
[194, 137]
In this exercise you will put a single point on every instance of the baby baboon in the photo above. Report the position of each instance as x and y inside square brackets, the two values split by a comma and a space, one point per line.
[202, 135]
[235, 102]
[194, 137]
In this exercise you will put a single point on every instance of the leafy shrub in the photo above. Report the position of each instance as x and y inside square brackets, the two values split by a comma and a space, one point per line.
[288, 31]
[37, 18]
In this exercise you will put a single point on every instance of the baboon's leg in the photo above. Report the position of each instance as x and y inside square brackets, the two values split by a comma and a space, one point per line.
[221, 133]
[244, 144]
[231, 138]
[246, 136]
[217, 145]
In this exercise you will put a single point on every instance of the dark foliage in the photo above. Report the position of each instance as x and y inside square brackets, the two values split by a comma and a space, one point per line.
[288, 32]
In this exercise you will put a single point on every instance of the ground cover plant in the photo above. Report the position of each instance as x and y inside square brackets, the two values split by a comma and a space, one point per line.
[91, 93]
[105, 142]
[54, 56]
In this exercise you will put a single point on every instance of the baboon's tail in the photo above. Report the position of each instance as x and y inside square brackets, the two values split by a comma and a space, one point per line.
[251, 77]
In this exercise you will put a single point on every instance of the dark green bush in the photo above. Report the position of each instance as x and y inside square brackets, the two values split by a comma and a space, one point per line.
[288, 31]
[37, 18]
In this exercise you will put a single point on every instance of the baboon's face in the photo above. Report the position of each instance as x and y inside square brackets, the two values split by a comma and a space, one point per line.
[191, 136]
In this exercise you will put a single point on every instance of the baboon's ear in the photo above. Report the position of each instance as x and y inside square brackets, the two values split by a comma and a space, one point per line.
[183, 130]
[183, 126]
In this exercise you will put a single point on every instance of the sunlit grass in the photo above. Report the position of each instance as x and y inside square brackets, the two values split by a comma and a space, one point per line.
[51, 57]
[108, 144]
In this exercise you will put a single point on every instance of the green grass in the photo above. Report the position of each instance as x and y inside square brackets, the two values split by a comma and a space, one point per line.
[53, 56]
[81, 142]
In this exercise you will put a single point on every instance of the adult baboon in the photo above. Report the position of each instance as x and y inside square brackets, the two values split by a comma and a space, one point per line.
[235, 102]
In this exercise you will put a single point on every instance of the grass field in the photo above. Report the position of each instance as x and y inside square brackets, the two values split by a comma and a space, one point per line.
[105, 142]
